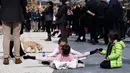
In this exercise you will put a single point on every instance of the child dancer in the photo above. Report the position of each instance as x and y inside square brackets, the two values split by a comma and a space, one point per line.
[61, 42]
[64, 60]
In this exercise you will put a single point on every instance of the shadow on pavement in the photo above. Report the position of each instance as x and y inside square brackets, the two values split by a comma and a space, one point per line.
[126, 61]
[36, 66]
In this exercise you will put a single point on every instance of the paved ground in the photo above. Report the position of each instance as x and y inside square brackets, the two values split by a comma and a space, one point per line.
[92, 62]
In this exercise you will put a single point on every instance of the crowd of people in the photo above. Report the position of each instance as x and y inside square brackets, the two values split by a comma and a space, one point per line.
[98, 17]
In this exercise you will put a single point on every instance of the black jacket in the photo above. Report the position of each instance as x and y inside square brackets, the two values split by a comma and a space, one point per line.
[12, 10]
[62, 14]
[102, 8]
[48, 14]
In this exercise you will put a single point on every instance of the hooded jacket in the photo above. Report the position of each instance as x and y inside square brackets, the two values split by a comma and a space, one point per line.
[115, 56]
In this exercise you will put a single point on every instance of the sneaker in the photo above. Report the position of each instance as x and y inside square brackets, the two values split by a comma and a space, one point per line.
[45, 63]
[81, 65]
[18, 61]
[53, 66]
[47, 39]
[6, 61]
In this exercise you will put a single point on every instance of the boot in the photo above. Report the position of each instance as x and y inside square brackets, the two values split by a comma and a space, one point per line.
[49, 37]
[83, 40]
[78, 39]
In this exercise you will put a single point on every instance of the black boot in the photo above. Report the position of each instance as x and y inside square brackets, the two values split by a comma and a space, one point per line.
[49, 37]
[78, 39]
[29, 57]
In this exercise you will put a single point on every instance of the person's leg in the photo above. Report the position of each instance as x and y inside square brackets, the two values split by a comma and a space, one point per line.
[48, 25]
[6, 41]
[105, 65]
[35, 26]
[16, 36]
[21, 51]
[28, 26]
[79, 34]
[11, 48]
[106, 31]
[83, 33]
[39, 58]
[63, 30]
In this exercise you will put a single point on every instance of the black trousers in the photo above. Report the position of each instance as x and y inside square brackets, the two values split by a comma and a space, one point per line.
[11, 48]
[93, 29]
[28, 25]
[63, 30]
[105, 64]
[48, 26]
[81, 32]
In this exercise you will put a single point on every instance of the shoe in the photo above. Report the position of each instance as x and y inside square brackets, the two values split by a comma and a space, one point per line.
[53, 66]
[6, 61]
[78, 40]
[29, 57]
[89, 41]
[45, 63]
[93, 42]
[18, 61]
[80, 65]
[26, 57]
[47, 39]
[96, 42]
[84, 40]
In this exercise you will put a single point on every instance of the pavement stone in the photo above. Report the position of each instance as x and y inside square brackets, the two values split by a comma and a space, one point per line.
[92, 62]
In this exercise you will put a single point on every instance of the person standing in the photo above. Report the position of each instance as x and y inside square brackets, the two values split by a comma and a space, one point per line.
[48, 13]
[62, 18]
[101, 20]
[92, 16]
[11, 13]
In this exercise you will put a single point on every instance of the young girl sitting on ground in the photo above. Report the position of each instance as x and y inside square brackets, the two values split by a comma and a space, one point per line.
[61, 42]
[57, 51]
[113, 54]
[64, 60]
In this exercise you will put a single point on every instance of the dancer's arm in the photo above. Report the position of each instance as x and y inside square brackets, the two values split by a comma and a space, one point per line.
[87, 53]
[45, 58]
[53, 53]
[72, 51]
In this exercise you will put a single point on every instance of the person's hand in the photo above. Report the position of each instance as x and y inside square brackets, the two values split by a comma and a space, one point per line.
[107, 58]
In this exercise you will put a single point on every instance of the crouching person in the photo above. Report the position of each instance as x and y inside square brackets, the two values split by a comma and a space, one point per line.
[65, 60]
[113, 54]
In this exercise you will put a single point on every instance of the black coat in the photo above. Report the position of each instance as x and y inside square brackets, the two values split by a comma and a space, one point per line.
[62, 14]
[12, 10]
[48, 14]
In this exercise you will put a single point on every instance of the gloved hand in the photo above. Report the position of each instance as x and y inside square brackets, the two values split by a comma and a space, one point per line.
[94, 51]
[100, 49]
